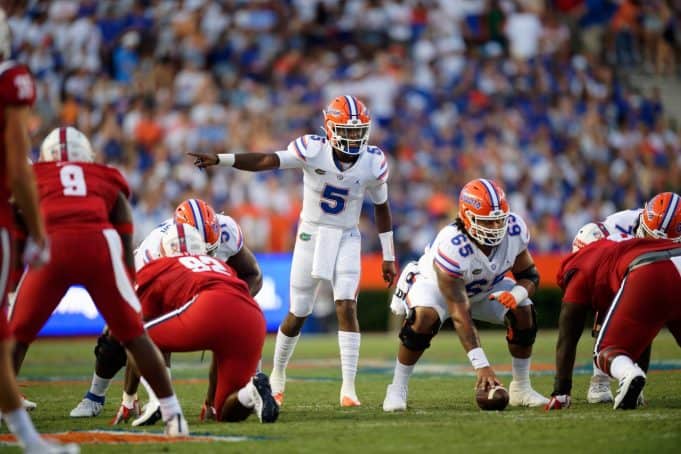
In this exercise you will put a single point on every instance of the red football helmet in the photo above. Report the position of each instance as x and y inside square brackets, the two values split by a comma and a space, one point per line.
[483, 209]
[201, 216]
[661, 217]
[347, 123]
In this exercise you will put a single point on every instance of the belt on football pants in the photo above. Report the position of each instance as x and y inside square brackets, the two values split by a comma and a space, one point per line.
[651, 257]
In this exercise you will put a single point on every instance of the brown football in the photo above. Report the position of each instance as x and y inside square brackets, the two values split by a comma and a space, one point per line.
[495, 398]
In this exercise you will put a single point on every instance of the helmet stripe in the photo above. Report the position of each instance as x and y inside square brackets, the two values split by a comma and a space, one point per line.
[352, 105]
[63, 147]
[198, 217]
[494, 197]
[181, 239]
[669, 214]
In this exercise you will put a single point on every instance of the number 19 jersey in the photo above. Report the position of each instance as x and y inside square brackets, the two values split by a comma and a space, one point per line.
[77, 196]
[455, 254]
[333, 196]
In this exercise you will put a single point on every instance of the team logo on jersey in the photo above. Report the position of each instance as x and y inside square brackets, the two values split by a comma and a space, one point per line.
[305, 236]
[320, 171]
[340, 177]
[477, 271]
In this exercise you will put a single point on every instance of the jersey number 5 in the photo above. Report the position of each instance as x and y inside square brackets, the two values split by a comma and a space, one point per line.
[332, 199]
[73, 180]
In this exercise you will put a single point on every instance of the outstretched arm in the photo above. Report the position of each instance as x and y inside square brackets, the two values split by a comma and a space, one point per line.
[253, 162]
[454, 292]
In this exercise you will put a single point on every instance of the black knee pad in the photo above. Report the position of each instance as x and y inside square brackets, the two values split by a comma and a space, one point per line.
[524, 337]
[110, 354]
[414, 341]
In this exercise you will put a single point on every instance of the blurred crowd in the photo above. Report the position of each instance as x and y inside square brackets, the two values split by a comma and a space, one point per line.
[532, 93]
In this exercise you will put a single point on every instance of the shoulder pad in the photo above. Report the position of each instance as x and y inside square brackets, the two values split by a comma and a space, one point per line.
[453, 252]
[518, 228]
[307, 146]
[379, 163]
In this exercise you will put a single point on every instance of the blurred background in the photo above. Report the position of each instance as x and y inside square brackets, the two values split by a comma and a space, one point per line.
[572, 105]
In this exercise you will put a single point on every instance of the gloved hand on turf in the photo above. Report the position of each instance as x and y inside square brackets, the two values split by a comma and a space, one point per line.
[558, 402]
[208, 413]
[130, 408]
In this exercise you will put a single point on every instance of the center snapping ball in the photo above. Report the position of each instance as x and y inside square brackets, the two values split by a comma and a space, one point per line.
[494, 398]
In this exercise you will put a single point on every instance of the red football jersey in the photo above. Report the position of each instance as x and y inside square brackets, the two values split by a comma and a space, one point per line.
[77, 196]
[168, 283]
[16, 89]
[593, 274]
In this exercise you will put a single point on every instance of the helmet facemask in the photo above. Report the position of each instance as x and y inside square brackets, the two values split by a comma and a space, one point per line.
[485, 235]
[350, 138]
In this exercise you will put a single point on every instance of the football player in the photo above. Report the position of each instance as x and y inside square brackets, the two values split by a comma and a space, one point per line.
[86, 210]
[17, 95]
[462, 275]
[196, 302]
[224, 241]
[338, 171]
[634, 283]
[652, 221]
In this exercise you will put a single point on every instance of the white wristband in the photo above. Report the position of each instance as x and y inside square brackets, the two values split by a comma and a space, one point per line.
[226, 159]
[478, 358]
[387, 246]
[519, 293]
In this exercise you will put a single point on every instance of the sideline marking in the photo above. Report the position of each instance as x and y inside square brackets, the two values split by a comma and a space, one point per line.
[127, 437]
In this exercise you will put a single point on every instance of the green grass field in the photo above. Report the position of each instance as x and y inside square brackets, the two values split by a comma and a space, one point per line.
[442, 415]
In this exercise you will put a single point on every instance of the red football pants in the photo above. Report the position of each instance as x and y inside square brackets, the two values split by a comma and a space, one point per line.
[93, 259]
[223, 320]
[648, 300]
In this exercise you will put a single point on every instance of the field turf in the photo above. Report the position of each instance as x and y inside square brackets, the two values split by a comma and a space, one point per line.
[442, 415]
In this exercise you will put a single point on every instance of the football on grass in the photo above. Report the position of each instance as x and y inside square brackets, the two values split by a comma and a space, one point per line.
[495, 398]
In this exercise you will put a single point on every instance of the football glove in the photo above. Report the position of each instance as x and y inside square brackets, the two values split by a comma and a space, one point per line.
[125, 413]
[558, 402]
[34, 254]
[208, 413]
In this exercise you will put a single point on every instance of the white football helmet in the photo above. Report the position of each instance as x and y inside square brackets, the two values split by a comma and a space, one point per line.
[5, 37]
[593, 231]
[66, 144]
[182, 239]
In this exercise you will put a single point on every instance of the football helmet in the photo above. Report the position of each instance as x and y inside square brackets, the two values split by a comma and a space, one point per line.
[66, 144]
[593, 231]
[202, 217]
[483, 209]
[661, 217]
[182, 239]
[347, 123]
[5, 37]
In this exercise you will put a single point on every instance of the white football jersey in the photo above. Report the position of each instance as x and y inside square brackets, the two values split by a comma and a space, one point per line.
[625, 221]
[332, 196]
[454, 253]
[231, 241]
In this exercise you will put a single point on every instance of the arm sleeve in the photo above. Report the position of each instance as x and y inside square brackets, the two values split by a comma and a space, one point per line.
[289, 159]
[231, 237]
[378, 194]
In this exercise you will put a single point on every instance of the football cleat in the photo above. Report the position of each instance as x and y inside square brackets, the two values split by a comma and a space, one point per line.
[265, 406]
[599, 390]
[349, 400]
[522, 395]
[89, 407]
[395, 398]
[27, 404]
[47, 447]
[630, 389]
[176, 426]
[151, 414]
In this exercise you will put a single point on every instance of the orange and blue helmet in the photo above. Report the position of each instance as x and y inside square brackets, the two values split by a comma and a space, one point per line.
[202, 217]
[483, 209]
[661, 217]
[347, 123]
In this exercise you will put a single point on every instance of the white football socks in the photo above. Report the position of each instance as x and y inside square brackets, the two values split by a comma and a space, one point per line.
[349, 355]
[170, 407]
[99, 385]
[600, 374]
[402, 374]
[283, 350]
[20, 424]
[620, 366]
[520, 369]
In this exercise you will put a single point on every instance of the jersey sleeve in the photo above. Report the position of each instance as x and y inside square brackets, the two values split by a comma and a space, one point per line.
[517, 228]
[299, 151]
[378, 188]
[119, 181]
[449, 256]
[17, 86]
[231, 238]
[577, 289]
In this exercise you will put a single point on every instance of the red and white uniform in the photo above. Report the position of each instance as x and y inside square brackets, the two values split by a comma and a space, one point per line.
[17, 88]
[76, 199]
[638, 300]
[198, 303]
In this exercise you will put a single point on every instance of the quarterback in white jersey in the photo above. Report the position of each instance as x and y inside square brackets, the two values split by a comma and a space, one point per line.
[339, 170]
[462, 275]
[225, 241]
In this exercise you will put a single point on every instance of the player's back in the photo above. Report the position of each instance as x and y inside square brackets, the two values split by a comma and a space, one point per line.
[168, 283]
[77, 196]
[625, 221]
[16, 89]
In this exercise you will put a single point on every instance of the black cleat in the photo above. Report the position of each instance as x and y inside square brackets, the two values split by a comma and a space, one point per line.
[265, 407]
